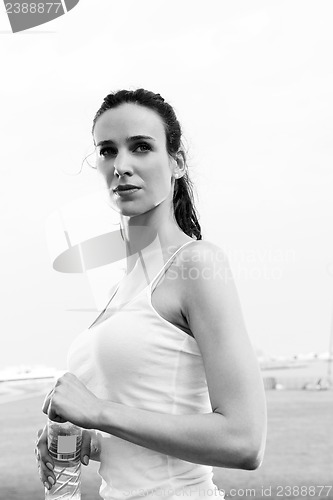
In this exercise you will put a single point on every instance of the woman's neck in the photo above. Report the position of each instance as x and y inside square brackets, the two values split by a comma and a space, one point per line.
[148, 242]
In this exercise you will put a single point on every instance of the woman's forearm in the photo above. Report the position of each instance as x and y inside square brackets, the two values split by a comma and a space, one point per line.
[201, 438]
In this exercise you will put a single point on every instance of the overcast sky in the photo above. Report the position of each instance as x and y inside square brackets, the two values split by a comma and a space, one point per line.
[251, 83]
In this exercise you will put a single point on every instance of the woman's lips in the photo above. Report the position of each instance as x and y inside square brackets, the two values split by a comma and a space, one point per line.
[126, 192]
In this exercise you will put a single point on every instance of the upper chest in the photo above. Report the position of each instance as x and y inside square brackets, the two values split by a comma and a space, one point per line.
[167, 297]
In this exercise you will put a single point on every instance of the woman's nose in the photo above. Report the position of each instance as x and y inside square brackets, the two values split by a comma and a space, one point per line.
[122, 165]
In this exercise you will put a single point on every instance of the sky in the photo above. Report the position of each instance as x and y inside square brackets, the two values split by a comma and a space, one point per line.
[251, 83]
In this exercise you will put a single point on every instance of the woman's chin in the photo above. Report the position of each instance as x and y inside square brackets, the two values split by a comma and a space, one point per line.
[128, 211]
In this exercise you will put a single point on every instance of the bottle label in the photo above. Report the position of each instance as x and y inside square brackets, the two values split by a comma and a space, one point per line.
[66, 444]
[65, 447]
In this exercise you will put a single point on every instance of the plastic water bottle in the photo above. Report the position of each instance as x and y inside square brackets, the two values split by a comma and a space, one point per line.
[64, 444]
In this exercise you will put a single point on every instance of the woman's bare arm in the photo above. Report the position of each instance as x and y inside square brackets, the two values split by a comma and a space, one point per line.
[233, 435]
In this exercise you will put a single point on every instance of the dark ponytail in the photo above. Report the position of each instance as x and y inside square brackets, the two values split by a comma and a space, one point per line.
[183, 200]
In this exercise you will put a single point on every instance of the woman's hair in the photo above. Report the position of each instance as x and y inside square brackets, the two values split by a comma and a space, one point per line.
[183, 201]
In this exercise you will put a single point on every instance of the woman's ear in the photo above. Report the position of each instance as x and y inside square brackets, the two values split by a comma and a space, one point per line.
[180, 166]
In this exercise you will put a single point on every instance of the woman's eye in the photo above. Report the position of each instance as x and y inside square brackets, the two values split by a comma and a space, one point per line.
[142, 148]
[107, 152]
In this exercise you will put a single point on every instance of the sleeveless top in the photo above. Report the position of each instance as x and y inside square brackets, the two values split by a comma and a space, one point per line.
[139, 359]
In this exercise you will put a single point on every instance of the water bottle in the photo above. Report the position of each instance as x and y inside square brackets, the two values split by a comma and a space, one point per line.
[64, 444]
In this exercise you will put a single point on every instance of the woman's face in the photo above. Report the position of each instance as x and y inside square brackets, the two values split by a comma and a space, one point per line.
[131, 149]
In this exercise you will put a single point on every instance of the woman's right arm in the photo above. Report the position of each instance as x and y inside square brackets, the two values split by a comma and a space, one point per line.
[89, 451]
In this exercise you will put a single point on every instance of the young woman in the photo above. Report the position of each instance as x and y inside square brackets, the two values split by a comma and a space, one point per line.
[165, 381]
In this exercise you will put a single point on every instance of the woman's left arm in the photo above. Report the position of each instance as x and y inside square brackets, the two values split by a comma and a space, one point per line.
[233, 435]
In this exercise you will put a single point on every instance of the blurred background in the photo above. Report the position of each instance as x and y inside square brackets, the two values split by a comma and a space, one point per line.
[251, 83]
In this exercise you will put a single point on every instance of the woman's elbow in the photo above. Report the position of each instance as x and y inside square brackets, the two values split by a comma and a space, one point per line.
[239, 457]
[254, 436]
[248, 450]
[242, 445]
[252, 460]
[253, 454]
[240, 454]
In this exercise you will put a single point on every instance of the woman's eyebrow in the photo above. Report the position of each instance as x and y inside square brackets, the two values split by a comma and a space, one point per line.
[139, 137]
[128, 139]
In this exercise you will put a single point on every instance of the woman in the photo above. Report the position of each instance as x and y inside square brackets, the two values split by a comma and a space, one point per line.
[165, 381]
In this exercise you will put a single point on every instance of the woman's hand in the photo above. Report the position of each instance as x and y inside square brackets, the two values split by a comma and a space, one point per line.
[71, 401]
[45, 462]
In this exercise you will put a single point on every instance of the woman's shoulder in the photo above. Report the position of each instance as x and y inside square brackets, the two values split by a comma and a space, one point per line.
[203, 251]
[200, 265]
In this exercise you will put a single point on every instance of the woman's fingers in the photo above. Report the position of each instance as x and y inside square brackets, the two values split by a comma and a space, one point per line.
[44, 459]
[85, 447]
[49, 408]
[47, 400]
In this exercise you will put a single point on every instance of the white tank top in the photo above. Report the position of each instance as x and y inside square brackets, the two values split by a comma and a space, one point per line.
[137, 358]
